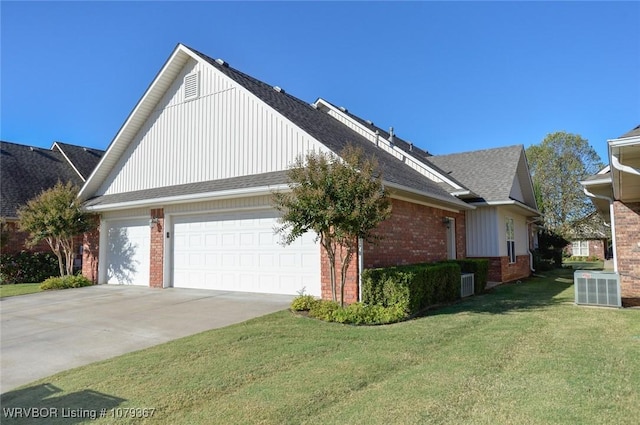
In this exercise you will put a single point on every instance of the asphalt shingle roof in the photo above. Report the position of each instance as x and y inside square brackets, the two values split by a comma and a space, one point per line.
[489, 173]
[331, 132]
[84, 159]
[25, 172]
[631, 133]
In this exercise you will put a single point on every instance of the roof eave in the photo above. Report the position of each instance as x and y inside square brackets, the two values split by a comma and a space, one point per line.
[436, 200]
[534, 212]
[195, 197]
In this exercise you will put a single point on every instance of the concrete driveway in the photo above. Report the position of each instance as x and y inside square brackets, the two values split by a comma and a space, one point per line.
[49, 332]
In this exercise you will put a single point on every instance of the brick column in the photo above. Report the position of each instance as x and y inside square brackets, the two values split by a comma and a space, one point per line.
[156, 264]
[627, 227]
[351, 284]
[90, 251]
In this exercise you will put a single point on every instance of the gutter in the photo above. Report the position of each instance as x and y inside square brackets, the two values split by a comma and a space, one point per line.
[194, 197]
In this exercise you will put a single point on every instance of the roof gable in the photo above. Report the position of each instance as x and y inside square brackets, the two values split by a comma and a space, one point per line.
[26, 171]
[321, 127]
[495, 175]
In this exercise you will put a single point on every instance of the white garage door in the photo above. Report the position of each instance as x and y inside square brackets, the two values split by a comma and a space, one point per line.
[128, 245]
[240, 252]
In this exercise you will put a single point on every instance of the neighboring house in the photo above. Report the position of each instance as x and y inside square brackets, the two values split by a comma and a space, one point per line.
[588, 237]
[26, 171]
[615, 192]
[184, 190]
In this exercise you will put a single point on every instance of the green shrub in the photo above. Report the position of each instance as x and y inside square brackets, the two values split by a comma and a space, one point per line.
[411, 288]
[65, 282]
[27, 267]
[324, 309]
[364, 314]
[479, 267]
[303, 303]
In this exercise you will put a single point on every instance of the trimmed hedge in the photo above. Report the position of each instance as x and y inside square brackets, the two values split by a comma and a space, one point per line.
[65, 282]
[479, 267]
[411, 288]
[27, 267]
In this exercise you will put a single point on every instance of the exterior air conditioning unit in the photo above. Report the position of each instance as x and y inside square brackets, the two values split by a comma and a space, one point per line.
[597, 288]
[466, 285]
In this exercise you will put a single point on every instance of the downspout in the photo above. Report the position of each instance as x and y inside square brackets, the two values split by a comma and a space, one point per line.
[529, 247]
[613, 226]
[360, 266]
[624, 168]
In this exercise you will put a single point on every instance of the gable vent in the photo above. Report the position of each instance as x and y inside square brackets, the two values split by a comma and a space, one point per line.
[191, 86]
[222, 63]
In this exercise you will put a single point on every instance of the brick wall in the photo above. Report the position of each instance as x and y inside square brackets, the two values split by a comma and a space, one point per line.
[501, 271]
[627, 228]
[414, 234]
[90, 247]
[16, 241]
[351, 281]
[156, 265]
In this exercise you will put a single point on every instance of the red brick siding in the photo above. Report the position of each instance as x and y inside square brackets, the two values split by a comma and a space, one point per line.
[627, 228]
[16, 241]
[414, 234]
[156, 264]
[351, 281]
[90, 246]
[501, 271]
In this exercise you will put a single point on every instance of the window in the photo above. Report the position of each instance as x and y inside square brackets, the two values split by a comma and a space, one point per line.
[580, 248]
[511, 241]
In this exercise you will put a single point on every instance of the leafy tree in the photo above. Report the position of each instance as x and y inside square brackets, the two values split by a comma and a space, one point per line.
[557, 164]
[341, 199]
[55, 216]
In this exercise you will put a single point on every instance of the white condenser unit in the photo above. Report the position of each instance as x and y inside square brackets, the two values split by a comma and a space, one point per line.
[597, 288]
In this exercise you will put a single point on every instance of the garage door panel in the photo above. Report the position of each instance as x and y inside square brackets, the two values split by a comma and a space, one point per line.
[242, 253]
[128, 252]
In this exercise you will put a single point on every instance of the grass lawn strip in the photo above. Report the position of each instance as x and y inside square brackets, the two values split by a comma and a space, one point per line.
[521, 354]
[19, 289]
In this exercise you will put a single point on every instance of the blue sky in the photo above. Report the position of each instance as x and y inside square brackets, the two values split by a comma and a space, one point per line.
[450, 77]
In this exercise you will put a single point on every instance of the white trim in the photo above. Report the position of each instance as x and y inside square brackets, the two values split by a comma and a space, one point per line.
[504, 203]
[605, 180]
[206, 196]
[455, 201]
[391, 146]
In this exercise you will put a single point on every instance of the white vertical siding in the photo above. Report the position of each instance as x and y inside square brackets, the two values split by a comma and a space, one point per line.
[483, 230]
[234, 204]
[225, 132]
[520, 230]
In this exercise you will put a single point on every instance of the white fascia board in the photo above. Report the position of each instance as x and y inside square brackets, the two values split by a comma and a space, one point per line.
[508, 203]
[196, 197]
[119, 143]
[454, 203]
[461, 193]
[393, 147]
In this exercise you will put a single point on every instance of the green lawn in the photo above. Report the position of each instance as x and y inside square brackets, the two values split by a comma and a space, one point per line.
[523, 354]
[19, 289]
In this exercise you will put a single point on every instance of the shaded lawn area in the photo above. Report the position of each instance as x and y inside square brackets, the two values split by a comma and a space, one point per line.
[523, 353]
[19, 289]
